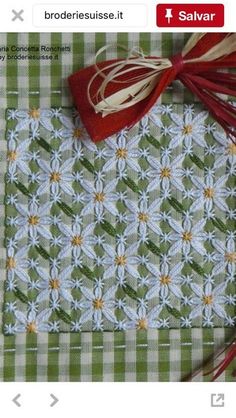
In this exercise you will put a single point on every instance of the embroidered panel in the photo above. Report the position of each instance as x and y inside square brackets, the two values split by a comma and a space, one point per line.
[135, 232]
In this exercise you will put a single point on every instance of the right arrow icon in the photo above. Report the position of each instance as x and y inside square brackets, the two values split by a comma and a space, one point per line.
[55, 400]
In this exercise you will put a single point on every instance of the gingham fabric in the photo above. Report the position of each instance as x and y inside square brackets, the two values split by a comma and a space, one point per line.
[164, 355]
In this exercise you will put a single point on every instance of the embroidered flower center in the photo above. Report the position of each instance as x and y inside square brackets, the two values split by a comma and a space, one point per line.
[33, 220]
[12, 155]
[121, 153]
[99, 197]
[187, 236]
[77, 240]
[34, 113]
[78, 133]
[209, 192]
[187, 129]
[230, 257]
[98, 303]
[165, 279]
[11, 263]
[31, 327]
[208, 300]
[232, 149]
[165, 172]
[54, 284]
[121, 260]
[142, 324]
[143, 217]
[55, 176]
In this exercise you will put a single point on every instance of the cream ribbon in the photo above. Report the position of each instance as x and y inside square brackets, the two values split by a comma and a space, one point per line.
[143, 85]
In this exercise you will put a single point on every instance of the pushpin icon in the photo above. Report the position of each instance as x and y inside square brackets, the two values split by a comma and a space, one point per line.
[168, 15]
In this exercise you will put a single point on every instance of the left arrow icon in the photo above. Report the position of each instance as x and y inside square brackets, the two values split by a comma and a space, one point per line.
[15, 400]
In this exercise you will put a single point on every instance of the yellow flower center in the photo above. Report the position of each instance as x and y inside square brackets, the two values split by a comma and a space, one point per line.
[187, 236]
[99, 197]
[187, 129]
[143, 217]
[230, 257]
[77, 240]
[98, 303]
[209, 192]
[33, 220]
[34, 113]
[78, 133]
[12, 155]
[165, 172]
[121, 260]
[31, 327]
[55, 176]
[142, 324]
[121, 153]
[165, 279]
[54, 284]
[11, 263]
[232, 149]
[208, 300]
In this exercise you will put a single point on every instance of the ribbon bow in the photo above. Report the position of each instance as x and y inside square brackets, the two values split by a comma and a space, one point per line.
[116, 94]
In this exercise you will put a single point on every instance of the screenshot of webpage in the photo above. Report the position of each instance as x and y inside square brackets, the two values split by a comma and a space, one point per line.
[118, 208]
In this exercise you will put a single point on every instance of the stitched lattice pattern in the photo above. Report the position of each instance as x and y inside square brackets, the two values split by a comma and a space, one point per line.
[134, 232]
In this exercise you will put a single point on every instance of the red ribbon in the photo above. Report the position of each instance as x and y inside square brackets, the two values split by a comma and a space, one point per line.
[222, 366]
[205, 79]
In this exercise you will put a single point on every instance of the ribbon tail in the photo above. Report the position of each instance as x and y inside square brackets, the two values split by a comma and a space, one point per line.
[225, 363]
[222, 111]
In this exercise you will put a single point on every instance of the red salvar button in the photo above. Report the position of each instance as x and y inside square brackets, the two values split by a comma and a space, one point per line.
[189, 15]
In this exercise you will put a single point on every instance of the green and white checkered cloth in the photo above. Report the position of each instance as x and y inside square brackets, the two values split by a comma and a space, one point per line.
[163, 355]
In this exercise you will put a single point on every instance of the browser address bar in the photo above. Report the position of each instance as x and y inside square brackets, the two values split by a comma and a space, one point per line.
[89, 15]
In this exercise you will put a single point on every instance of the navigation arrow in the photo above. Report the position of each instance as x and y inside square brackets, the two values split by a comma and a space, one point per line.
[15, 400]
[55, 400]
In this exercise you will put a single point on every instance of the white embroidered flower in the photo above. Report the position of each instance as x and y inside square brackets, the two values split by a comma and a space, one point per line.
[121, 261]
[11, 175]
[55, 284]
[225, 258]
[226, 150]
[10, 307]
[188, 129]
[56, 177]
[209, 192]
[98, 305]
[186, 322]
[99, 197]
[122, 152]
[143, 217]
[77, 240]
[75, 136]
[16, 264]
[10, 329]
[33, 118]
[155, 113]
[142, 319]
[165, 280]
[208, 300]
[187, 236]
[11, 199]
[165, 173]
[33, 323]
[17, 155]
[33, 221]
